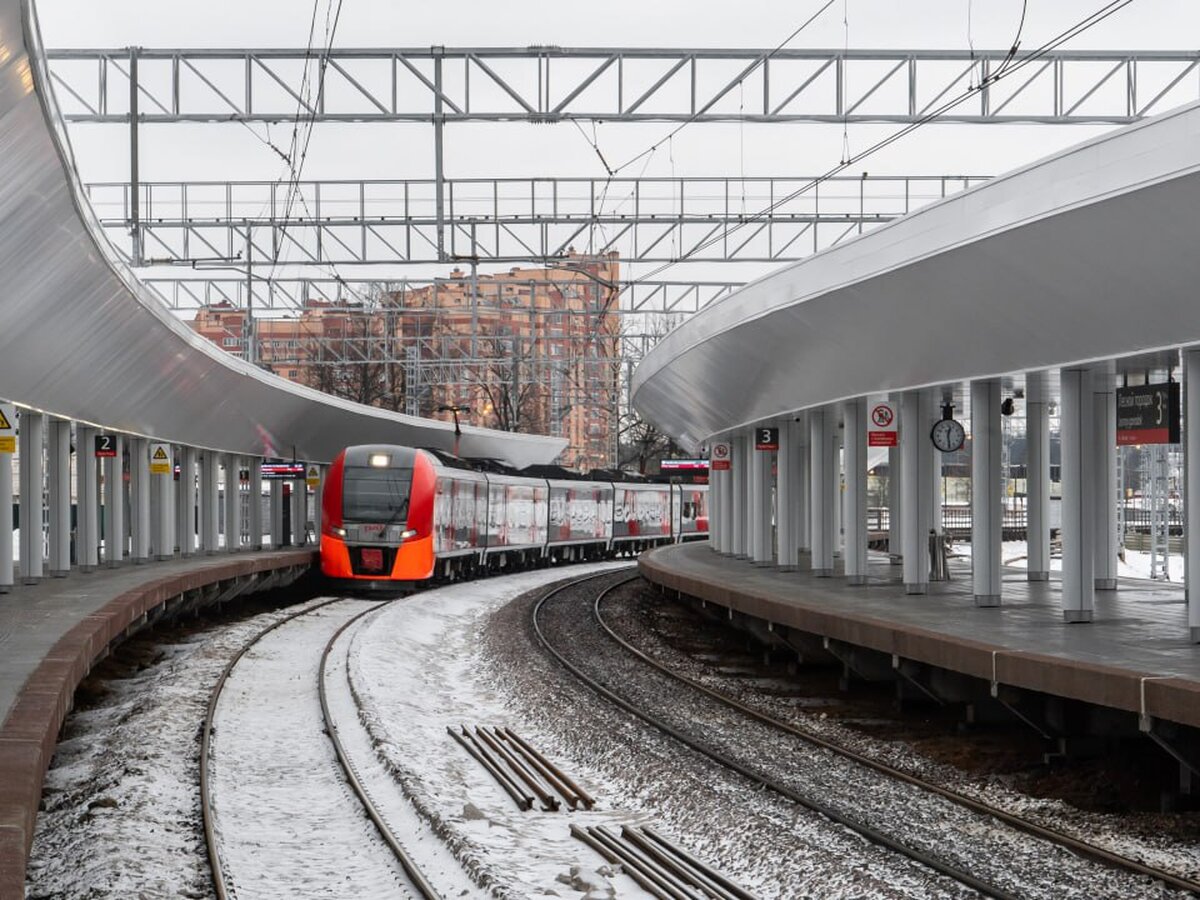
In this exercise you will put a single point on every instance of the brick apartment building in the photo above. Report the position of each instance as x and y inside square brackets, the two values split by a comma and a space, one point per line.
[531, 350]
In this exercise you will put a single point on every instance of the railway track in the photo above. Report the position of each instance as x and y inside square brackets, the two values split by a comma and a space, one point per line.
[223, 883]
[987, 817]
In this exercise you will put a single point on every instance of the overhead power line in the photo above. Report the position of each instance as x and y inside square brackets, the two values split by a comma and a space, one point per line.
[1006, 68]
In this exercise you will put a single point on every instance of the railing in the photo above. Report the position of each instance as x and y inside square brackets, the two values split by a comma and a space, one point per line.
[956, 519]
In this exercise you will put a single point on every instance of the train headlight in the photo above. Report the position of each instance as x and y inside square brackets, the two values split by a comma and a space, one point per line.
[340, 532]
[379, 460]
[407, 533]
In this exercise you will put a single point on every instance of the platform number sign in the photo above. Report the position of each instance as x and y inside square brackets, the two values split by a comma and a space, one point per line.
[721, 457]
[106, 446]
[882, 430]
[8, 428]
[766, 438]
[1148, 414]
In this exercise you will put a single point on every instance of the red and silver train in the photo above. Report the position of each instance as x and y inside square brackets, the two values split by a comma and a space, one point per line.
[394, 515]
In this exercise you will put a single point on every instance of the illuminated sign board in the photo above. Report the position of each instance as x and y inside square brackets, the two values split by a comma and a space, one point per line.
[1148, 414]
[277, 470]
[684, 465]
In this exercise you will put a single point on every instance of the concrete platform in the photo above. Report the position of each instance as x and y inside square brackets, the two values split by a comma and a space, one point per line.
[52, 633]
[1134, 656]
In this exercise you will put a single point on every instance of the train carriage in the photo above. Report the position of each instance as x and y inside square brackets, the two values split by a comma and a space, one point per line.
[641, 516]
[398, 516]
[580, 518]
[517, 514]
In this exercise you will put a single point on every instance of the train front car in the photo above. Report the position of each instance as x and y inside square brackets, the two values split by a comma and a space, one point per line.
[377, 517]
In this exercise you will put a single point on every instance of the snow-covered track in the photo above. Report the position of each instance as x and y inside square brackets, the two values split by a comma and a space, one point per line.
[224, 881]
[974, 848]
[420, 885]
[206, 812]
[1071, 842]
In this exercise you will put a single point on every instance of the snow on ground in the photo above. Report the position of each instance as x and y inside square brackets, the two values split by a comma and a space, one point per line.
[1135, 565]
[462, 656]
[415, 670]
[431, 856]
[121, 814]
[287, 823]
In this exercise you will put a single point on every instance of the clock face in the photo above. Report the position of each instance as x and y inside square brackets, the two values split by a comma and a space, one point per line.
[948, 435]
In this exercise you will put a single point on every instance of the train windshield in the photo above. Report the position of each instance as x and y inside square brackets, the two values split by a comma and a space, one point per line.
[376, 495]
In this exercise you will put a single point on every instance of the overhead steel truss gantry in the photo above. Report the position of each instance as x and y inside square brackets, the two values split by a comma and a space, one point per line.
[441, 85]
[502, 221]
[652, 297]
[302, 234]
[627, 84]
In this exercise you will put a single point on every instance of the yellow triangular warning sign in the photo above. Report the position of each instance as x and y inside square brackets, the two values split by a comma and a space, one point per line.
[5, 425]
[160, 453]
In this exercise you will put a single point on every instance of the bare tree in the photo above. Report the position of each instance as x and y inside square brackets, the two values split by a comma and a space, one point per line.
[351, 358]
[639, 442]
[507, 384]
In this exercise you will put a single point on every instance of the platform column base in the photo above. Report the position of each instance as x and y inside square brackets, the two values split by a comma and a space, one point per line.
[1037, 576]
[919, 588]
[1077, 616]
[1106, 584]
[1195, 632]
[823, 573]
[985, 601]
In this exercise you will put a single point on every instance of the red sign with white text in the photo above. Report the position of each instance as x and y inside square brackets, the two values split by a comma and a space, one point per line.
[720, 461]
[882, 430]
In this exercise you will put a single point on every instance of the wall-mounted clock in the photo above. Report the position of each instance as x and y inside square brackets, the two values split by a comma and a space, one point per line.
[948, 434]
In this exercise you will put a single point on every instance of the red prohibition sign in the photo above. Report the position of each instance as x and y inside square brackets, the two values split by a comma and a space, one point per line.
[721, 450]
[882, 415]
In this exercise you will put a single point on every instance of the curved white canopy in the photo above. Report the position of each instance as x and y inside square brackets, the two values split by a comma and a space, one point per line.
[1089, 254]
[80, 337]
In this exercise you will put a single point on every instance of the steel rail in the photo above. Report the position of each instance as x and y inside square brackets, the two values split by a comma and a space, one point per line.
[206, 815]
[1074, 844]
[643, 880]
[715, 882]
[523, 800]
[418, 879]
[872, 834]
[558, 779]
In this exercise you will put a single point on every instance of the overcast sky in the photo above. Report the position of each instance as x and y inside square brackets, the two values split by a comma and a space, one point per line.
[399, 151]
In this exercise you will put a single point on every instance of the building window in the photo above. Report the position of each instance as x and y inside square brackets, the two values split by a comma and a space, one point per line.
[231, 342]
